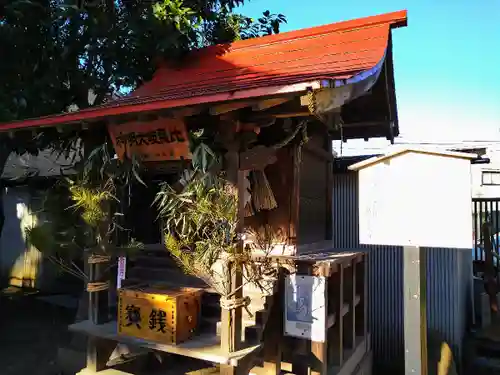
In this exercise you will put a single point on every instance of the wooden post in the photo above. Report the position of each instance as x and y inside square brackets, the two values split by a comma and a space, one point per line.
[337, 341]
[231, 324]
[302, 347]
[237, 274]
[349, 299]
[361, 291]
[98, 300]
[319, 350]
[98, 353]
[273, 333]
[415, 306]
[93, 297]
[295, 156]
[329, 190]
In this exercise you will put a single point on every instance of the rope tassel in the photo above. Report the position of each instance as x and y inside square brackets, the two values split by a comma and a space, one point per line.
[263, 196]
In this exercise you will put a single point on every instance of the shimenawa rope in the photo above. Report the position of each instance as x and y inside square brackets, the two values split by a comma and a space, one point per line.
[97, 286]
[235, 303]
[95, 258]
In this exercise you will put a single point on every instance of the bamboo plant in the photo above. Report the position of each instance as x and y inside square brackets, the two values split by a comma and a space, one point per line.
[200, 225]
[77, 212]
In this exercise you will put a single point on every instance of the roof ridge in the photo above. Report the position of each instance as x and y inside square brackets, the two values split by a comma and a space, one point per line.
[304, 37]
[395, 19]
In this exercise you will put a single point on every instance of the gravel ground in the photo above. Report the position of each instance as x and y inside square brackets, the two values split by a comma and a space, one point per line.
[30, 333]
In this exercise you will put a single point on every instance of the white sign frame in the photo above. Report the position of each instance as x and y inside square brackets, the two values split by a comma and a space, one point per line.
[403, 197]
[305, 307]
[121, 272]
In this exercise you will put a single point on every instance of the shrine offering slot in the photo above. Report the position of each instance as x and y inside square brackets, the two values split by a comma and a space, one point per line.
[167, 316]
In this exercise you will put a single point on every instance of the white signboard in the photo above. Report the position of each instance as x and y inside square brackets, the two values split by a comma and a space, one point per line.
[122, 269]
[305, 310]
[416, 199]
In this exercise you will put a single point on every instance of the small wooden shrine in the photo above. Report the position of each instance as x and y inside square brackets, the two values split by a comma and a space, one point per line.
[276, 103]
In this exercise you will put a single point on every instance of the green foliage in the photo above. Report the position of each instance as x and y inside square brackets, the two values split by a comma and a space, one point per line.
[200, 226]
[83, 212]
[266, 25]
[61, 51]
[184, 18]
[91, 202]
[60, 235]
[200, 210]
[96, 191]
[203, 146]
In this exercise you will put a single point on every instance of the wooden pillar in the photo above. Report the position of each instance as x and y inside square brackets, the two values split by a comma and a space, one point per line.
[329, 189]
[349, 334]
[319, 350]
[302, 347]
[237, 281]
[295, 195]
[415, 306]
[98, 353]
[273, 334]
[336, 347]
[98, 300]
[361, 293]
[231, 321]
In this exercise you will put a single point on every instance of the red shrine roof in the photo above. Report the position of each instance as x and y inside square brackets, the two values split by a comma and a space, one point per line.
[276, 64]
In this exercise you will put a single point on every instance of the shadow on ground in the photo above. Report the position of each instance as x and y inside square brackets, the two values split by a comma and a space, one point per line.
[31, 331]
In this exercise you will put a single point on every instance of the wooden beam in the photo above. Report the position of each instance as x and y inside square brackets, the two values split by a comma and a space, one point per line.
[328, 100]
[292, 114]
[267, 116]
[266, 104]
[228, 107]
[366, 124]
[188, 111]
[147, 116]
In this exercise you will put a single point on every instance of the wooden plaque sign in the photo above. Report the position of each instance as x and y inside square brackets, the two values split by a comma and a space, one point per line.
[305, 307]
[404, 196]
[159, 140]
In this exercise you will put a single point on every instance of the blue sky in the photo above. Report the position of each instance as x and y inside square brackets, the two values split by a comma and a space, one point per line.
[447, 60]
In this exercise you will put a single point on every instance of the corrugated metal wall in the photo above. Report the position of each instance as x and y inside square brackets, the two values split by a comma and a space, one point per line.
[449, 275]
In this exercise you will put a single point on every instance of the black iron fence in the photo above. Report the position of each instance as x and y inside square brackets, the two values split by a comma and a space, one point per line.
[485, 210]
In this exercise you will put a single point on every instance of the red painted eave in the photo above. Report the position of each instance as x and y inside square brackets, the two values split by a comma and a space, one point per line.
[270, 65]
